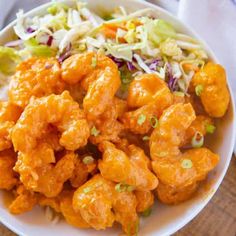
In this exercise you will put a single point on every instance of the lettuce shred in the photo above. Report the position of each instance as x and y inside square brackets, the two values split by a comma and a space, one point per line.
[57, 7]
[39, 50]
[159, 30]
[8, 60]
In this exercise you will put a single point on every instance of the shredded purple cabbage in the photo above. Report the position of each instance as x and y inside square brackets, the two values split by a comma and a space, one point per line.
[154, 64]
[30, 30]
[14, 43]
[49, 42]
[65, 54]
[130, 66]
[158, 62]
[119, 62]
[172, 82]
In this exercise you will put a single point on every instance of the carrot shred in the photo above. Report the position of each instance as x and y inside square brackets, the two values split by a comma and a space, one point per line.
[110, 29]
[109, 33]
[189, 67]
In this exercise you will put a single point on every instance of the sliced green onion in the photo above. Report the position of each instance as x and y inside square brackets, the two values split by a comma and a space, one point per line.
[147, 212]
[210, 129]
[197, 140]
[125, 76]
[119, 188]
[179, 94]
[94, 131]
[187, 164]
[88, 160]
[154, 121]
[162, 154]
[126, 79]
[141, 119]
[130, 188]
[124, 188]
[86, 190]
[146, 138]
[198, 89]
[94, 62]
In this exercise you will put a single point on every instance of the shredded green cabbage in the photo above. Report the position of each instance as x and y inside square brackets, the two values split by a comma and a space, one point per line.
[130, 16]
[8, 60]
[159, 30]
[39, 50]
[169, 47]
[122, 53]
[57, 7]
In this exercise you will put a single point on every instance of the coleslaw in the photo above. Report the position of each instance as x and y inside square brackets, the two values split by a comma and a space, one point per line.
[138, 42]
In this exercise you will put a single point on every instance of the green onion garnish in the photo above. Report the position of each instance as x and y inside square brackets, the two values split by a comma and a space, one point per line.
[86, 190]
[88, 160]
[126, 78]
[94, 62]
[198, 89]
[179, 94]
[146, 138]
[94, 131]
[126, 81]
[119, 188]
[186, 164]
[154, 121]
[197, 140]
[162, 154]
[130, 188]
[124, 188]
[210, 129]
[147, 212]
[141, 119]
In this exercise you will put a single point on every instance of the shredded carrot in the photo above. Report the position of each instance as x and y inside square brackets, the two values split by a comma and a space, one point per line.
[189, 67]
[109, 33]
[121, 25]
[115, 26]
[110, 29]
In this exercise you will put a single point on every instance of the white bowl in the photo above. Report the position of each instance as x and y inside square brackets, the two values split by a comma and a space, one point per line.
[165, 220]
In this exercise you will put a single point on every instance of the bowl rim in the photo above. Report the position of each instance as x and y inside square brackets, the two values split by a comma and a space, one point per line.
[186, 220]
